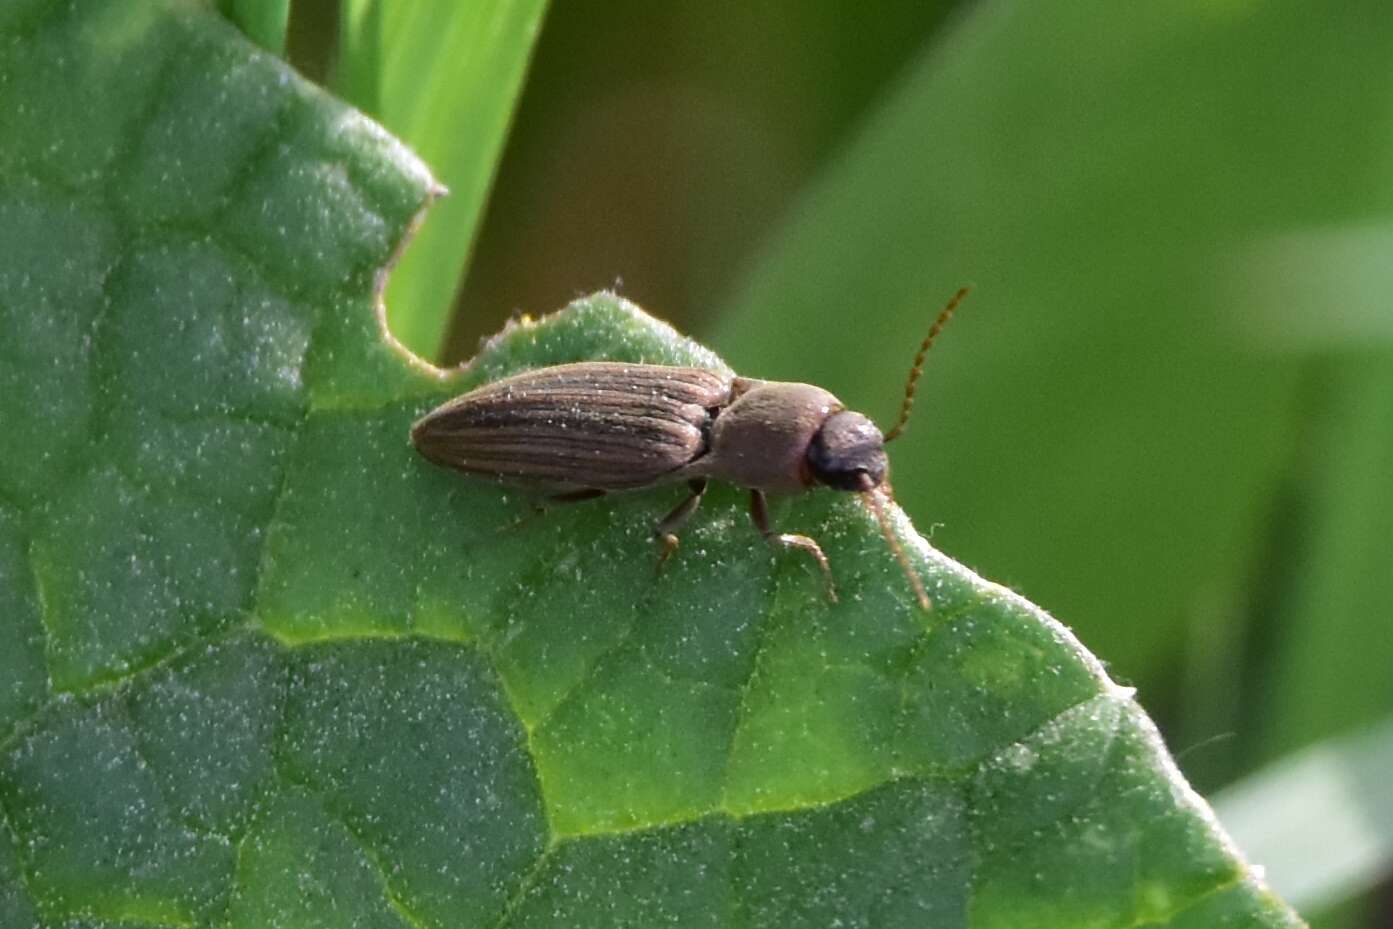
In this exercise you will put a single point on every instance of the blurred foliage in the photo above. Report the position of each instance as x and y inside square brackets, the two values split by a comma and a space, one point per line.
[656, 144]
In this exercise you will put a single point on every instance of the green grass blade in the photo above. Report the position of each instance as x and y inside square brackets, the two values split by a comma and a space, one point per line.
[1335, 634]
[358, 72]
[448, 75]
[1320, 821]
[263, 21]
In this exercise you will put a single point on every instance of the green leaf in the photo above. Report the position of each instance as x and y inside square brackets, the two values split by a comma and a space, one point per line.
[444, 76]
[263, 665]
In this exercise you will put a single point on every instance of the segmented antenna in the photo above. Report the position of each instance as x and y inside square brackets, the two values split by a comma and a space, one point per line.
[872, 498]
[898, 429]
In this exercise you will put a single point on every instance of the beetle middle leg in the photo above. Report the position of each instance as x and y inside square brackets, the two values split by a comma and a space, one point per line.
[759, 512]
[663, 532]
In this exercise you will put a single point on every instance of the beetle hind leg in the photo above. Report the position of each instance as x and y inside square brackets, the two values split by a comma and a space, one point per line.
[759, 512]
[663, 532]
[539, 507]
[571, 496]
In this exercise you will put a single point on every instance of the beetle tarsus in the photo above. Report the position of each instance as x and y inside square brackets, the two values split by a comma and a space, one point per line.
[759, 512]
[663, 532]
[667, 543]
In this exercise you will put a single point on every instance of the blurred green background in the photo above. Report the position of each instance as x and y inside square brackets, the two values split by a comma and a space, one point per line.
[1165, 414]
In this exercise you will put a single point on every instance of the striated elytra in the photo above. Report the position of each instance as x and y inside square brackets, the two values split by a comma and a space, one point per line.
[577, 431]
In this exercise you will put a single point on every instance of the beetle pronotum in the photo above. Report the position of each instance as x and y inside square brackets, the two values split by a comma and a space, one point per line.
[583, 430]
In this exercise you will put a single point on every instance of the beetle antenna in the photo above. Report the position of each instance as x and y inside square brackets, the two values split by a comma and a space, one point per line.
[872, 498]
[898, 429]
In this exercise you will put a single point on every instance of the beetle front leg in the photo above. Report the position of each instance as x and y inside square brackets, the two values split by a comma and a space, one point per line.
[663, 532]
[759, 512]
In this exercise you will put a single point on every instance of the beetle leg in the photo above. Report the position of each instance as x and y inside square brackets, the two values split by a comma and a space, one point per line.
[575, 496]
[759, 512]
[571, 496]
[674, 520]
[540, 506]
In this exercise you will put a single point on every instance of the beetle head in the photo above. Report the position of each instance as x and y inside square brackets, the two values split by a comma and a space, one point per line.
[848, 453]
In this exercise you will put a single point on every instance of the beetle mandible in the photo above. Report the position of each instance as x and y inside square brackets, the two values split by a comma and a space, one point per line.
[583, 430]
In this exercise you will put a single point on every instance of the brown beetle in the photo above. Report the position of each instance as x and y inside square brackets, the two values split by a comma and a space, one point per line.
[583, 430]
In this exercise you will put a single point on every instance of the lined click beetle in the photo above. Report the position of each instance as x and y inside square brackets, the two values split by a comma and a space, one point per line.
[583, 430]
